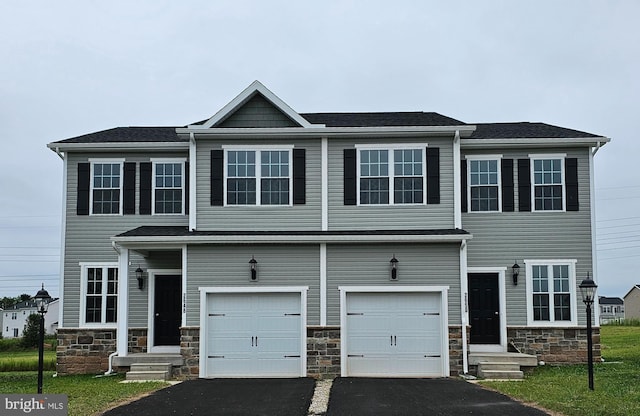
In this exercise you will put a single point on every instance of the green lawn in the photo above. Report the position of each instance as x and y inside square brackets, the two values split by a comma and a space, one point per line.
[565, 389]
[87, 394]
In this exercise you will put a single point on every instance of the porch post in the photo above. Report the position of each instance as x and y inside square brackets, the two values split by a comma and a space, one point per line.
[122, 336]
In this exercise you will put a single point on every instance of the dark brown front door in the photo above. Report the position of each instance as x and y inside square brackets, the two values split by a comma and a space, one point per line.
[166, 330]
[484, 308]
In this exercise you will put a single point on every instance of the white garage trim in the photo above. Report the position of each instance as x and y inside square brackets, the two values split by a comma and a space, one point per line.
[204, 291]
[444, 336]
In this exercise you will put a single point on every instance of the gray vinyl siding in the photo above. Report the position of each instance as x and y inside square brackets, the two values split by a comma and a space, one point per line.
[267, 218]
[354, 217]
[257, 112]
[499, 239]
[278, 265]
[88, 237]
[368, 265]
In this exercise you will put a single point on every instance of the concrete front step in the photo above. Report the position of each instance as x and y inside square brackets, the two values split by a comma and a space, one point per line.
[500, 370]
[149, 371]
[500, 374]
[524, 360]
[175, 360]
[148, 375]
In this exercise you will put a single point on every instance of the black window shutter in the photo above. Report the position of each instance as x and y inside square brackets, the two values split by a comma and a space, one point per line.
[186, 187]
[508, 204]
[433, 175]
[145, 188]
[350, 177]
[524, 185]
[217, 175]
[299, 176]
[571, 178]
[129, 186]
[82, 204]
[463, 185]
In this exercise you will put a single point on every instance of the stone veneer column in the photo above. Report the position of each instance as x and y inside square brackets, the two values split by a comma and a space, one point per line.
[323, 352]
[84, 351]
[555, 345]
[190, 351]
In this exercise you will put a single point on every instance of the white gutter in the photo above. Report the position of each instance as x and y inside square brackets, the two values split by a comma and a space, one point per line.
[129, 146]
[457, 199]
[192, 182]
[532, 142]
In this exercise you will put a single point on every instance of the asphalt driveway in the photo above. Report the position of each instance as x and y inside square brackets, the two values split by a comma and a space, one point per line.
[442, 397]
[225, 397]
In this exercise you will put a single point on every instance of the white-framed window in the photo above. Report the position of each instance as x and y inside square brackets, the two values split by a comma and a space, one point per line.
[258, 176]
[106, 186]
[15, 332]
[551, 292]
[484, 191]
[99, 289]
[168, 186]
[14, 315]
[391, 175]
[547, 182]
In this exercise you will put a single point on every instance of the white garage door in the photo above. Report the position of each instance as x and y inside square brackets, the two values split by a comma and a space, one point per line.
[394, 335]
[253, 335]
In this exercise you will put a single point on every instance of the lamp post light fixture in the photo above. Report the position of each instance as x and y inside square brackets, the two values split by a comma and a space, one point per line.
[253, 267]
[42, 299]
[588, 290]
[140, 277]
[516, 271]
[394, 268]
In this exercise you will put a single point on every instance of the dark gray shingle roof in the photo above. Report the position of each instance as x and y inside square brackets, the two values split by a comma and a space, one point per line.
[390, 119]
[128, 134]
[604, 300]
[177, 231]
[381, 119]
[524, 130]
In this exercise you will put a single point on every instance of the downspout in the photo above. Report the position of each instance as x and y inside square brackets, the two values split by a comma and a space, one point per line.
[113, 354]
[594, 250]
[463, 304]
[192, 181]
[457, 199]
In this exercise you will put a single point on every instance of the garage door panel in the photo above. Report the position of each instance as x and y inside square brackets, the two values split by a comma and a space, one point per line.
[394, 334]
[258, 334]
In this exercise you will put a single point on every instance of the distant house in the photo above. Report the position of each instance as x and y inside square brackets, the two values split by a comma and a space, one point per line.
[611, 309]
[14, 318]
[632, 303]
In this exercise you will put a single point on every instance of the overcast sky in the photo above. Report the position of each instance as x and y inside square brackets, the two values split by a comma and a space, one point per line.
[75, 67]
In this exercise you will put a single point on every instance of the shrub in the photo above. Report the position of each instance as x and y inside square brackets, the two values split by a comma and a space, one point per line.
[624, 322]
[31, 334]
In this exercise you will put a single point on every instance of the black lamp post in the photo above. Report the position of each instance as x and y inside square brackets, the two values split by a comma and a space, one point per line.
[588, 290]
[42, 299]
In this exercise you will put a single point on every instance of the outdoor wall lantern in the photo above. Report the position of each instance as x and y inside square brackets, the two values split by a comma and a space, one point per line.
[253, 267]
[140, 277]
[516, 271]
[588, 290]
[394, 268]
[42, 299]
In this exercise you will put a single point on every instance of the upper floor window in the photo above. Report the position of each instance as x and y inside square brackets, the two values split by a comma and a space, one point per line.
[379, 184]
[99, 294]
[484, 184]
[548, 183]
[168, 193]
[106, 187]
[258, 177]
[551, 291]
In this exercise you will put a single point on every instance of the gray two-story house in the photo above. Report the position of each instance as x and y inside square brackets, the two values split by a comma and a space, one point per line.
[263, 242]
